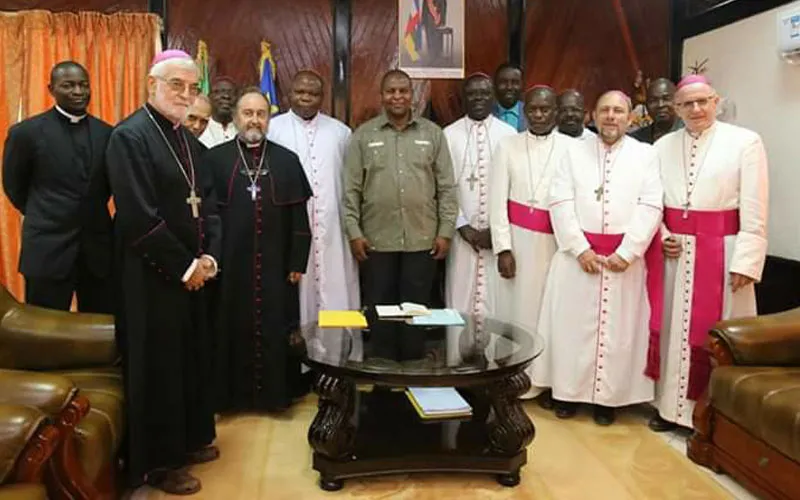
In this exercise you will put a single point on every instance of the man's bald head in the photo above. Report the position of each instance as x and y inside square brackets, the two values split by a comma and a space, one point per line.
[306, 95]
[571, 110]
[541, 109]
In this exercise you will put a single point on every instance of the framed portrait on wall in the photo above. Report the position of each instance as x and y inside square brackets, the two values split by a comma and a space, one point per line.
[431, 38]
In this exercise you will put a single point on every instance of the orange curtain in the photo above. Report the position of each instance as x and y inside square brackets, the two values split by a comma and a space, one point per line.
[115, 49]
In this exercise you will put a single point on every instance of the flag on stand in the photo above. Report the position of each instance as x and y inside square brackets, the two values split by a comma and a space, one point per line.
[267, 68]
[413, 32]
[202, 63]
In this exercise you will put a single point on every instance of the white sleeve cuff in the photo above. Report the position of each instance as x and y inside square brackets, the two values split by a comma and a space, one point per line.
[190, 271]
[461, 221]
[213, 261]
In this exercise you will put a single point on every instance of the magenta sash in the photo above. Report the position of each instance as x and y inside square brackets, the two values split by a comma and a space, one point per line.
[533, 220]
[709, 229]
[606, 244]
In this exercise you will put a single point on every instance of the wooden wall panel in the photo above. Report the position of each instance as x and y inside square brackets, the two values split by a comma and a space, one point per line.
[105, 6]
[374, 51]
[299, 30]
[581, 44]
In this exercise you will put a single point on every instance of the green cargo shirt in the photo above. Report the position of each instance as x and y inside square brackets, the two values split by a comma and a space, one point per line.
[399, 191]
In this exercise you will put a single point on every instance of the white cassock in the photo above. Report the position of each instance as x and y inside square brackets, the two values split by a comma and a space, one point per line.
[331, 279]
[598, 323]
[723, 169]
[216, 134]
[471, 276]
[520, 223]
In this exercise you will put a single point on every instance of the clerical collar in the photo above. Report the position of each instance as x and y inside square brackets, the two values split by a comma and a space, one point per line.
[251, 147]
[701, 135]
[614, 146]
[475, 122]
[163, 122]
[543, 137]
[302, 120]
[72, 118]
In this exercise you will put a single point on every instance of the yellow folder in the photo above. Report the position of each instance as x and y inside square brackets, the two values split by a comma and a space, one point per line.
[341, 319]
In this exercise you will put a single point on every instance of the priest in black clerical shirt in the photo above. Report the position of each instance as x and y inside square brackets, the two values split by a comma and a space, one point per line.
[262, 192]
[168, 237]
[54, 173]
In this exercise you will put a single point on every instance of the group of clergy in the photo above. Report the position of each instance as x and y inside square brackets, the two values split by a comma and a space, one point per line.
[620, 254]
[233, 230]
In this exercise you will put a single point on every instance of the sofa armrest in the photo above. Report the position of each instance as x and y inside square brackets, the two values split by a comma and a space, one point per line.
[35, 338]
[768, 340]
[47, 392]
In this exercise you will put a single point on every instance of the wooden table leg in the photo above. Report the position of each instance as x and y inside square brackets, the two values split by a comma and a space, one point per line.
[510, 429]
[331, 433]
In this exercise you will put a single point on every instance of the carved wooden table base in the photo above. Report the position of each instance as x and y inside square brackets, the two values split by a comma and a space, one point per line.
[389, 437]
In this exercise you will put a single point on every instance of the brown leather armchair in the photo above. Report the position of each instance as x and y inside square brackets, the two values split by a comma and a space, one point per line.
[748, 422]
[65, 366]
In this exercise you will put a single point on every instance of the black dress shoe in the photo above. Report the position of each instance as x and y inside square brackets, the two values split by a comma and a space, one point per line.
[545, 400]
[658, 424]
[604, 415]
[565, 410]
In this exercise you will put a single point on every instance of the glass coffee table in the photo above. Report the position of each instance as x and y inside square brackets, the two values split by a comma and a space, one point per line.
[365, 425]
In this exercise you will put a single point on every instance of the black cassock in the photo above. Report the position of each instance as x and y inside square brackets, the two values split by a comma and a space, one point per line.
[162, 328]
[266, 236]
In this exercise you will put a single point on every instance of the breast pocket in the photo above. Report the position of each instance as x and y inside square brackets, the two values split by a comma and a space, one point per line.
[376, 156]
[422, 153]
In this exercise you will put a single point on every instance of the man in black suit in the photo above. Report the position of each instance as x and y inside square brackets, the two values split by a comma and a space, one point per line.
[54, 173]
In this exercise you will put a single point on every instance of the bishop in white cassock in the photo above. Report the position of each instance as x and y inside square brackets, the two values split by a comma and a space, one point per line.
[715, 218]
[331, 279]
[522, 236]
[605, 205]
[473, 140]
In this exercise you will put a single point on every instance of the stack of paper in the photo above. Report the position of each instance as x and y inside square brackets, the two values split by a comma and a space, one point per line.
[438, 317]
[341, 319]
[438, 402]
[404, 310]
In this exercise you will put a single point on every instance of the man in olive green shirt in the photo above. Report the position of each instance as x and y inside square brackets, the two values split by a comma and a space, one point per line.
[400, 204]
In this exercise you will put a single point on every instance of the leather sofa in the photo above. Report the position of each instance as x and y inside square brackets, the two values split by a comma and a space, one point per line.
[65, 367]
[748, 422]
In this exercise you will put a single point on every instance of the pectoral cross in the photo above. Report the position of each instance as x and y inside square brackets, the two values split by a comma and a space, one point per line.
[254, 190]
[194, 201]
[686, 210]
[472, 180]
[599, 192]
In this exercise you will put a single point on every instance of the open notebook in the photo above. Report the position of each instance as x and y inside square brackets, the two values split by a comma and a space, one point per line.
[404, 310]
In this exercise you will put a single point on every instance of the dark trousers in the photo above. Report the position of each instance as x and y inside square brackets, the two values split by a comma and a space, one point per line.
[94, 294]
[391, 278]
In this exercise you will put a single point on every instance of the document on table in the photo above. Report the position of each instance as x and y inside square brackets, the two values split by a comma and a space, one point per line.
[438, 317]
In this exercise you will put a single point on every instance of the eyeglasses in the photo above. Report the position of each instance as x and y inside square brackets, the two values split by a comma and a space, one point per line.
[179, 86]
[701, 103]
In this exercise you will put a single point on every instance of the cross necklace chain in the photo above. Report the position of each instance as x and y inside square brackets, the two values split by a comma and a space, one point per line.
[545, 166]
[601, 173]
[193, 200]
[253, 177]
[689, 185]
[467, 158]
